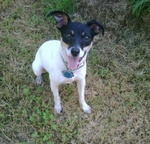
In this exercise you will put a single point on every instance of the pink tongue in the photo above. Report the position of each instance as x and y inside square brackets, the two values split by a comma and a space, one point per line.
[73, 63]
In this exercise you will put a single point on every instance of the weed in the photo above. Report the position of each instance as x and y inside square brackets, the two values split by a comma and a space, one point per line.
[140, 11]
[25, 91]
[140, 7]
[43, 119]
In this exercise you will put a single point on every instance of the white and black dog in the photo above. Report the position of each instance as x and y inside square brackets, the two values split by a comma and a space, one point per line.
[65, 60]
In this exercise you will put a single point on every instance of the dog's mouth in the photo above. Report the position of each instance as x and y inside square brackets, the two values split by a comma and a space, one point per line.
[73, 62]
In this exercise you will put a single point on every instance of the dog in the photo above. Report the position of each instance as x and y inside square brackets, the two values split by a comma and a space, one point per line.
[65, 59]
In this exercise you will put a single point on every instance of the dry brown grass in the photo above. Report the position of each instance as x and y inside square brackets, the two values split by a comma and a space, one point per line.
[118, 79]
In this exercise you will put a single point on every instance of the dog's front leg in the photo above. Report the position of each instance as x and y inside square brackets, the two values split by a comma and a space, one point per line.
[57, 102]
[81, 88]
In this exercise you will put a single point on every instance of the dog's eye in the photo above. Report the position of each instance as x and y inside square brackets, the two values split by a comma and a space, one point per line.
[86, 38]
[68, 36]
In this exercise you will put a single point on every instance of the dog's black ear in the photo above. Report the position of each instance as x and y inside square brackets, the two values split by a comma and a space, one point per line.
[96, 27]
[60, 17]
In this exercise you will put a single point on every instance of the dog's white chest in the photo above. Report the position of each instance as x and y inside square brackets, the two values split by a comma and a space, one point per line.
[69, 80]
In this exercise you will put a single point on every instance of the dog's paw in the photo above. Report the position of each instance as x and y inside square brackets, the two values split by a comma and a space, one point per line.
[86, 108]
[58, 109]
[39, 80]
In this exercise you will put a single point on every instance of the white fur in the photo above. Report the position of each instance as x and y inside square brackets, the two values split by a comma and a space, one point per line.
[50, 57]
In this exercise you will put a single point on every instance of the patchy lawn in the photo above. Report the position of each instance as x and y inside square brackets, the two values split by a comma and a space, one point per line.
[118, 78]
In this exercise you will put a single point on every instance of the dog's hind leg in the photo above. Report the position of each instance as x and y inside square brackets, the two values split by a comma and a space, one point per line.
[38, 70]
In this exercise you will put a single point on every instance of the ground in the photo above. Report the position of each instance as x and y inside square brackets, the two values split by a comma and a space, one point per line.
[118, 78]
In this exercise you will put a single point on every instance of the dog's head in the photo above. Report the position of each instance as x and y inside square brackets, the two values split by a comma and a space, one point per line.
[76, 37]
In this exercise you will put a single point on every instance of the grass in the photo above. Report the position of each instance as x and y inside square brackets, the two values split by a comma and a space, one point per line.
[140, 10]
[140, 7]
[69, 6]
[118, 78]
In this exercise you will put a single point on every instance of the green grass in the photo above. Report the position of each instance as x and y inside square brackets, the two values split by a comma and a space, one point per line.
[118, 78]
[69, 6]
[140, 7]
[140, 10]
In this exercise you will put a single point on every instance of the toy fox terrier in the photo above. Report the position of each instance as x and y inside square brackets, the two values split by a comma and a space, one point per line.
[65, 60]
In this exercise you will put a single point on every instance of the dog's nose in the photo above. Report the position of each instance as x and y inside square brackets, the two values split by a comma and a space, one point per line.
[75, 51]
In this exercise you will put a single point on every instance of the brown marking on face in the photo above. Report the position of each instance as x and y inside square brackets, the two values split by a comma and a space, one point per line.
[87, 48]
[72, 32]
[64, 45]
[83, 33]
